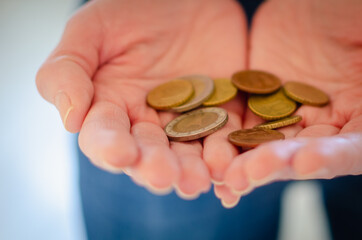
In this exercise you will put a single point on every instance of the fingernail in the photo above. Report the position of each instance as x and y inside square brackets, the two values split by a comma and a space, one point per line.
[242, 192]
[127, 171]
[158, 191]
[185, 195]
[111, 168]
[63, 104]
[217, 182]
[229, 205]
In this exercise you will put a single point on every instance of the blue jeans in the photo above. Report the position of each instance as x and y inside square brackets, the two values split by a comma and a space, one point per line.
[115, 208]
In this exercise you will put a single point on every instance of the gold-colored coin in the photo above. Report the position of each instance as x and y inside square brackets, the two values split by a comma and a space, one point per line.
[250, 138]
[170, 94]
[272, 106]
[258, 82]
[305, 94]
[196, 124]
[203, 88]
[224, 92]
[280, 123]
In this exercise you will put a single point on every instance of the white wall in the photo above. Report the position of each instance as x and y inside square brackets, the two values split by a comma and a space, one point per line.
[37, 181]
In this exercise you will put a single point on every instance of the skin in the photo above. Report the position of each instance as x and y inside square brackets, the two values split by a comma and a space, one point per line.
[113, 53]
[319, 43]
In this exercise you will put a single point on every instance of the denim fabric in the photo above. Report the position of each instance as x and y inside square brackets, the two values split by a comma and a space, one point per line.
[115, 208]
[343, 202]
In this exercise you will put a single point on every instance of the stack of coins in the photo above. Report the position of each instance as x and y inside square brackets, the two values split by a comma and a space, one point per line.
[187, 93]
[273, 102]
[268, 99]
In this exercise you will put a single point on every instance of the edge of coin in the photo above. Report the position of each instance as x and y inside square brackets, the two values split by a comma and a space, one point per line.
[269, 118]
[191, 103]
[249, 146]
[304, 101]
[256, 91]
[279, 123]
[223, 119]
[217, 103]
[164, 107]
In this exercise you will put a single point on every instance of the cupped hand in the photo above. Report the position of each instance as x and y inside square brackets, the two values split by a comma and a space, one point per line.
[112, 53]
[319, 43]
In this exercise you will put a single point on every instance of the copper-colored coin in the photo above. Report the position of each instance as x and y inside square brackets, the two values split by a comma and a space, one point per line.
[196, 124]
[305, 94]
[280, 123]
[272, 106]
[170, 94]
[250, 138]
[203, 88]
[258, 82]
[224, 92]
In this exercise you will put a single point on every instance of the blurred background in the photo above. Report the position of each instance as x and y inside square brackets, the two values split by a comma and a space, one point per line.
[39, 196]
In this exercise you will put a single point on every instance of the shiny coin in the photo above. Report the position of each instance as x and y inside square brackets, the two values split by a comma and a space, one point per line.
[250, 138]
[196, 124]
[258, 82]
[280, 123]
[305, 94]
[272, 106]
[170, 94]
[224, 92]
[203, 88]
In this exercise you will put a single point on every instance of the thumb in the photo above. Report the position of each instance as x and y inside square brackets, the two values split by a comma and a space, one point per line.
[65, 77]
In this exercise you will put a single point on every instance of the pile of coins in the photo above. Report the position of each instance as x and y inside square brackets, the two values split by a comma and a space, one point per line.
[268, 99]
[187, 93]
[272, 102]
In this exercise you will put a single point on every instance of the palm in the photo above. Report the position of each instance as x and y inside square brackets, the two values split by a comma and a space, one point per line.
[305, 49]
[207, 40]
[309, 42]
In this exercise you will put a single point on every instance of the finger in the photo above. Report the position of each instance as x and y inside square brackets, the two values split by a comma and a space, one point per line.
[228, 199]
[235, 176]
[354, 125]
[218, 151]
[158, 165]
[65, 77]
[259, 166]
[329, 157]
[195, 177]
[269, 160]
[105, 137]
[319, 130]
[304, 158]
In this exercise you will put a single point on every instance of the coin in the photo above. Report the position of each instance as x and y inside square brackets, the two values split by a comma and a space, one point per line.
[224, 92]
[258, 82]
[170, 94]
[280, 123]
[305, 94]
[250, 138]
[203, 88]
[196, 124]
[272, 106]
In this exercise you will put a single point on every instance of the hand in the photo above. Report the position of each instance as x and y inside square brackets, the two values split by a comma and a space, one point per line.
[112, 53]
[320, 43]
